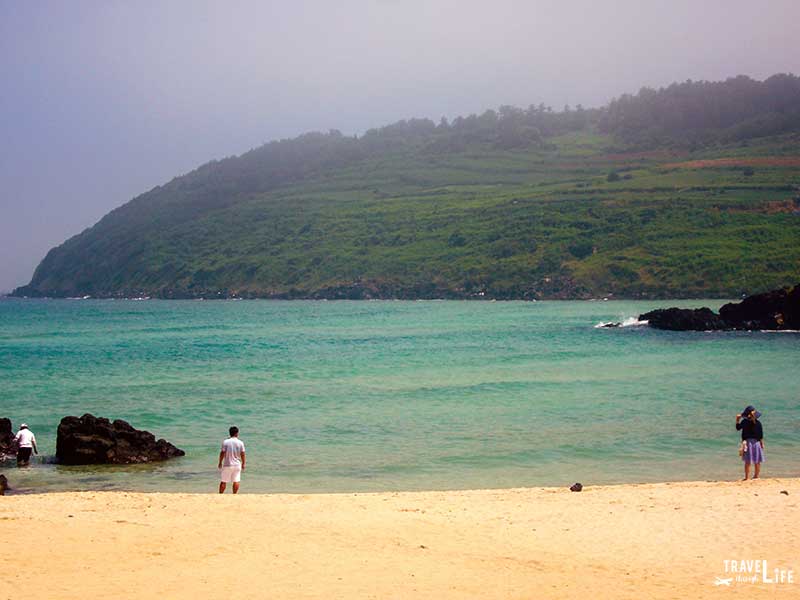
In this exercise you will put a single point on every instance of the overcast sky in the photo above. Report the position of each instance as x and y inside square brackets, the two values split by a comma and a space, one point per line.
[101, 101]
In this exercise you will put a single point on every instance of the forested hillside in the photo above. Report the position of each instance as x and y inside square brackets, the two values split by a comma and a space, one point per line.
[689, 190]
[697, 113]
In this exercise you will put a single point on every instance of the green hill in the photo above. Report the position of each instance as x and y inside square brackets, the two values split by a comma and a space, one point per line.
[690, 190]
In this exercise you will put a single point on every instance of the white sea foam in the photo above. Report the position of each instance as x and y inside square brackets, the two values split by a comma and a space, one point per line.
[634, 322]
[627, 322]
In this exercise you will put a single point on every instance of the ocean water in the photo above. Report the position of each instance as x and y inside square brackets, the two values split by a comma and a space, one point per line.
[376, 396]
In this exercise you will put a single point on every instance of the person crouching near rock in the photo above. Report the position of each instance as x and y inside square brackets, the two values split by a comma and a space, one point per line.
[231, 461]
[752, 440]
[26, 443]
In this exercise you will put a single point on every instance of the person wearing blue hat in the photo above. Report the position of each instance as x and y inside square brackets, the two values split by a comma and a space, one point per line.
[752, 440]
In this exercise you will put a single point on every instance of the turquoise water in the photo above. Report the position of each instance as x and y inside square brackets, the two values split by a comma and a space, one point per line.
[354, 396]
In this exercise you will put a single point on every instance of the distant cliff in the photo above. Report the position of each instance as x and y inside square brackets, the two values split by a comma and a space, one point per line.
[685, 191]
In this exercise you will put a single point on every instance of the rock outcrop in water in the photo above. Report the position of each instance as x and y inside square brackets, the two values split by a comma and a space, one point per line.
[7, 447]
[778, 309]
[771, 311]
[684, 319]
[91, 440]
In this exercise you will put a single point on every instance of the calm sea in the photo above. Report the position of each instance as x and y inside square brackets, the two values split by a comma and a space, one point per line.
[354, 396]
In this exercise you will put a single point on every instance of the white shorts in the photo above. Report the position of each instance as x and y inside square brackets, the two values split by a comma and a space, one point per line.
[230, 474]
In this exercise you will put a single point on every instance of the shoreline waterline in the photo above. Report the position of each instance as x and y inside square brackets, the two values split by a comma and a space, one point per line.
[212, 488]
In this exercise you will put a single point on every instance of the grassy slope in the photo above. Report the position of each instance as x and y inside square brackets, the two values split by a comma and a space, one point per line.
[485, 222]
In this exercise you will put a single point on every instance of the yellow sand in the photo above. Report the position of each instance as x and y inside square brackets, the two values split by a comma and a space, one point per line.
[628, 541]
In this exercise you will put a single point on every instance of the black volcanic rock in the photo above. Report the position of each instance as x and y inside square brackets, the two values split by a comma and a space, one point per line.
[778, 309]
[91, 440]
[6, 438]
[684, 319]
[775, 310]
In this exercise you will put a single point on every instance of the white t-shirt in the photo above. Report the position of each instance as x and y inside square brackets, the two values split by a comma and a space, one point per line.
[233, 449]
[25, 438]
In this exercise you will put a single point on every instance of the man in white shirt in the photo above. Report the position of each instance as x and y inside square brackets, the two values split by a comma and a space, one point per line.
[26, 443]
[231, 461]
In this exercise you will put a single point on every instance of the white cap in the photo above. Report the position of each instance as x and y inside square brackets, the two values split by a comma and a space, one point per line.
[23, 426]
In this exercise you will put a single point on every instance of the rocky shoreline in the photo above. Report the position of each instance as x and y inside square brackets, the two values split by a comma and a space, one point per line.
[548, 288]
[90, 440]
[7, 448]
[777, 310]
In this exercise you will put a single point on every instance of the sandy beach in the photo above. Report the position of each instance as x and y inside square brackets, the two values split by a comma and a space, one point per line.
[666, 540]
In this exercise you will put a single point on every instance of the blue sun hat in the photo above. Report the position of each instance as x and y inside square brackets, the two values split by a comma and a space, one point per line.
[748, 409]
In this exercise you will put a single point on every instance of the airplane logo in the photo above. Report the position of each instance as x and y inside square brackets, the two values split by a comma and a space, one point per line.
[720, 581]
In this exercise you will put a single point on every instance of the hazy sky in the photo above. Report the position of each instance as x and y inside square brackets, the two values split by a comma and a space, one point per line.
[101, 101]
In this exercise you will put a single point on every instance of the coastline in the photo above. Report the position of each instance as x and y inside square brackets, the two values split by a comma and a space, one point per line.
[599, 297]
[655, 540]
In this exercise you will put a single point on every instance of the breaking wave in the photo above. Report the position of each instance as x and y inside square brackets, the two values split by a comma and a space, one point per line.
[629, 322]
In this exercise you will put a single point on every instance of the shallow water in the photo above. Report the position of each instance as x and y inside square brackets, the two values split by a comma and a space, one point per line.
[353, 396]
